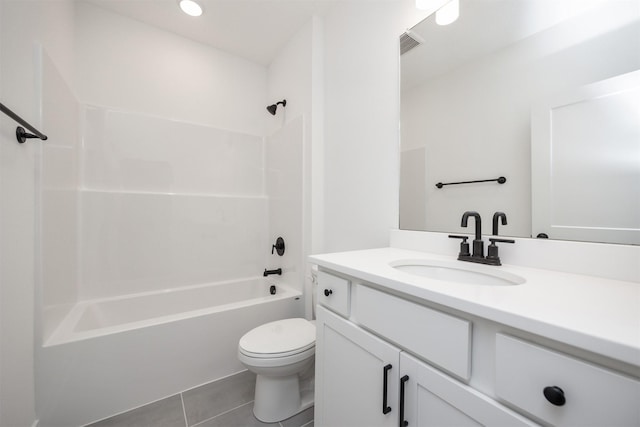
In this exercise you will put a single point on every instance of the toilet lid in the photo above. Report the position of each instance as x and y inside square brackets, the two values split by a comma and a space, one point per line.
[281, 336]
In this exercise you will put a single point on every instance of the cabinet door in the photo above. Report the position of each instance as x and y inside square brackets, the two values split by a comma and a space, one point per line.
[350, 373]
[432, 398]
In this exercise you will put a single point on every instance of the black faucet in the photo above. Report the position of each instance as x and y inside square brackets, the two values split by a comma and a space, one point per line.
[496, 217]
[268, 272]
[478, 244]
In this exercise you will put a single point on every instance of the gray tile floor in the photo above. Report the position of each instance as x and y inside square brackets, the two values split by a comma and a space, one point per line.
[224, 403]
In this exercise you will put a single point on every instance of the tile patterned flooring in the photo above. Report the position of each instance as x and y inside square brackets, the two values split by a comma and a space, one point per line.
[224, 403]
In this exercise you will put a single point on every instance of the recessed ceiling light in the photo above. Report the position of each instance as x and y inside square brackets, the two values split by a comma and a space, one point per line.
[190, 7]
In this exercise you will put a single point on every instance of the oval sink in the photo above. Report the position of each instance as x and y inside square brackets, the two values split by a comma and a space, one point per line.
[457, 272]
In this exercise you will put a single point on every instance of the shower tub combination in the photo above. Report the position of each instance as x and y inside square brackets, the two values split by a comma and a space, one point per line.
[111, 355]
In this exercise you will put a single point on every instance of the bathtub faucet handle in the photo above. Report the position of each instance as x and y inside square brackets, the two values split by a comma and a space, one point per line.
[277, 271]
[278, 247]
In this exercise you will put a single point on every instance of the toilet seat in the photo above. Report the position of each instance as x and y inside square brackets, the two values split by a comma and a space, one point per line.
[306, 349]
[281, 338]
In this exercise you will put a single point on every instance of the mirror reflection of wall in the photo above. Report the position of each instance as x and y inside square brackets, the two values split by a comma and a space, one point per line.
[468, 91]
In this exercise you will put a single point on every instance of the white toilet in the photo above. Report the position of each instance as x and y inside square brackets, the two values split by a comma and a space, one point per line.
[280, 353]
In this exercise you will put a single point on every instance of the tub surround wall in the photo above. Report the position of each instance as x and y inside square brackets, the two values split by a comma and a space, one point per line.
[173, 179]
[167, 204]
[284, 161]
[57, 186]
[132, 152]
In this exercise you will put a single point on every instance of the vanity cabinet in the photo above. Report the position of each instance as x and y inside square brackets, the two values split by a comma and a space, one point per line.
[362, 380]
[385, 360]
[353, 365]
[531, 377]
[432, 398]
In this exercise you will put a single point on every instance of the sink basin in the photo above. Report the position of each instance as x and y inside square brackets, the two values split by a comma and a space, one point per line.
[458, 272]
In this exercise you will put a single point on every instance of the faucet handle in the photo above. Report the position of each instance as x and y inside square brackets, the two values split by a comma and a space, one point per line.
[278, 247]
[492, 250]
[494, 241]
[464, 245]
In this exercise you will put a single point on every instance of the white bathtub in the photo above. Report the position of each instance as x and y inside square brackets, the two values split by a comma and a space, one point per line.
[111, 355]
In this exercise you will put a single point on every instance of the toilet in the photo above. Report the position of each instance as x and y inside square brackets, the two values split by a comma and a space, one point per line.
[281, 353]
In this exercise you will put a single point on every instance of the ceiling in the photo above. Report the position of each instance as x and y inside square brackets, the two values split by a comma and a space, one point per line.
[252, 29]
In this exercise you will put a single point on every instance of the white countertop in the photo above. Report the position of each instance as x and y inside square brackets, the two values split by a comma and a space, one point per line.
[595, 314]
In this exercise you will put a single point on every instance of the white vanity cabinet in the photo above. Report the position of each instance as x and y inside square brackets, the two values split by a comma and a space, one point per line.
[364, 380]
[351, 367]
[584, 394]
[361, 380]
[387, 359]
[432, 398]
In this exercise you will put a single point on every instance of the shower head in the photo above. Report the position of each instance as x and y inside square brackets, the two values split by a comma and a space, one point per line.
[272, 108]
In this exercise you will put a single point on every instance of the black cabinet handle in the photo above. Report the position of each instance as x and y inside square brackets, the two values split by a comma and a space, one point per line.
[554, 395]
[385, 408]
[403, 422]
[327, 292]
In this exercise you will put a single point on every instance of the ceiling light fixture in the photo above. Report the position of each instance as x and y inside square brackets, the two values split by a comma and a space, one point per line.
[190, 7]
[448, 13]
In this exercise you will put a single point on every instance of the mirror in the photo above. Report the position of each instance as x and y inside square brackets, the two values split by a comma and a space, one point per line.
[468, 90]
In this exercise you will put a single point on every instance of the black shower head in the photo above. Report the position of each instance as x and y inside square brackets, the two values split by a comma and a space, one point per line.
[272, 108]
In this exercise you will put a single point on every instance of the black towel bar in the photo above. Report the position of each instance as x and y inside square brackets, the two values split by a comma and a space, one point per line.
[500, 180]
[21, 134]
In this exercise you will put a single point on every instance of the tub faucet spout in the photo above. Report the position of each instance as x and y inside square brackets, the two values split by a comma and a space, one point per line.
[277, 271]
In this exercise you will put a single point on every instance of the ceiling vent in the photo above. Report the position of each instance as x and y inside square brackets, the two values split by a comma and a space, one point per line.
[408, 41]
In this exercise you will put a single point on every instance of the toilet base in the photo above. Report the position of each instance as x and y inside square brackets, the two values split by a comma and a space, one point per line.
[279, 398]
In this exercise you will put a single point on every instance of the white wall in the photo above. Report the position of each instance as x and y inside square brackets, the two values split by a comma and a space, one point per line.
[361, 118]
[140, 68]
[23, 24]
[474, 121]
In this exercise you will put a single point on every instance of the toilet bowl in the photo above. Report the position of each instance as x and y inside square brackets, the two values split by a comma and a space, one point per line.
[280, 353]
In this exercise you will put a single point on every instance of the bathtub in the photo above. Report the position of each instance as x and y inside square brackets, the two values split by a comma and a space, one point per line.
[114, 354]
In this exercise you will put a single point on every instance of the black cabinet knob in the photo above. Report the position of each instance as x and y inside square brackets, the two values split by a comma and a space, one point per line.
[327, 292]
[554, 395]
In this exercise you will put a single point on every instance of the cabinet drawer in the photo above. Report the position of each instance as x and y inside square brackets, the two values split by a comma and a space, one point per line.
[333, 293]
[442, 339]
[593, 396]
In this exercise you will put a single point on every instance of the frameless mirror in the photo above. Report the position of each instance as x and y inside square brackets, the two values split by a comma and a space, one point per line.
[468, 91]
